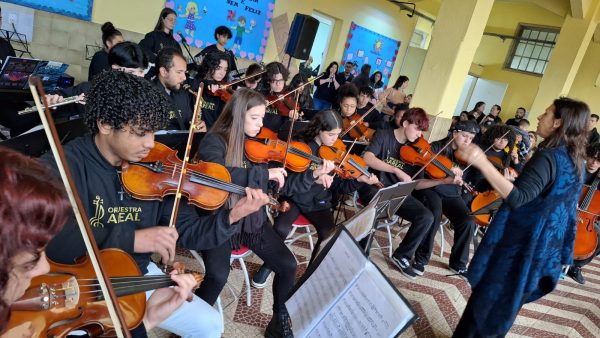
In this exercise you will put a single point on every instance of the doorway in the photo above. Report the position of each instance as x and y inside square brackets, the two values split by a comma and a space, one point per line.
[322, 39]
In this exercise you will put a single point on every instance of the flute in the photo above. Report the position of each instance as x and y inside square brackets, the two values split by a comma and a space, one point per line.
[67, 100]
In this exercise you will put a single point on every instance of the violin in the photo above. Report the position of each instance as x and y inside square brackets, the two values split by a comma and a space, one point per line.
[586, 238]
[350, 165]
[485, 200]
[206, 185]
[356, 128]
[419, 153]
[68, 299]
[497, 162]
[225, 91]
[266, 147]
[283, 103]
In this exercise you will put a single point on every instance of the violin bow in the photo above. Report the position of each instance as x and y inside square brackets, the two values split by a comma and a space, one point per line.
[116, 315]
[242, 79]
[432, 158]
[345, 156]
[486, 150]
[195, 118]
[295, 90]
[363, 116]
[289, 137]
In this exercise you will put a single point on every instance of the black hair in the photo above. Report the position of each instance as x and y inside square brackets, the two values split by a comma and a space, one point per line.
[119, 99]
[401, 79]
[109, 32]
[251, 70]
[379, 83]
[272, 69]
[401, 106]
[365, 69]
[469, 126]
[210, 64]
[326, 72]
[595, 116]
[163, 14]
[348, 89]
[498, 107]
[127, 54]
[496, 131]
[593, 151]
[223, 30]
[478, 104]
[165, 57]
[325, 120]
[367, 91]
[524, 121]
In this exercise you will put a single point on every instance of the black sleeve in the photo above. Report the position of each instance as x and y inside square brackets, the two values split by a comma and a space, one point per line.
[538, 174]
[147, 44]
[297, 183]
[199, 232]
[376, 145]
[97, 65]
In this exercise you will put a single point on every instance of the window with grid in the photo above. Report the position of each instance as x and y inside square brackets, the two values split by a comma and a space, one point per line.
[531, 51]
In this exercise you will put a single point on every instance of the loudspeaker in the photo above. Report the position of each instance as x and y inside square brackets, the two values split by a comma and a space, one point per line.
[302, 35]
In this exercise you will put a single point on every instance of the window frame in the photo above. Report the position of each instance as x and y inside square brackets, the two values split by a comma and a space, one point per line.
[518, 38]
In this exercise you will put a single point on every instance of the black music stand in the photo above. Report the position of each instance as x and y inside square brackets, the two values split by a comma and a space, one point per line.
[387, 201]
[35, 143]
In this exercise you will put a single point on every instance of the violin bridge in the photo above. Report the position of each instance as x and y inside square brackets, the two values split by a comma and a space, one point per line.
[66, 296]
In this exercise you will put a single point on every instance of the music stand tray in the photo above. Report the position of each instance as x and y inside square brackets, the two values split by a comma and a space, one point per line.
[387, 201]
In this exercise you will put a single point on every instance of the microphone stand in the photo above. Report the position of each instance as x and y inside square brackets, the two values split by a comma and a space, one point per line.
[191, 72]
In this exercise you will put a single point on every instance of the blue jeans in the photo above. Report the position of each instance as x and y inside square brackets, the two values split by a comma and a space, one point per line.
[320, 104]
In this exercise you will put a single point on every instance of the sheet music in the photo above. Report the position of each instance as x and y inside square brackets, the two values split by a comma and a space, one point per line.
[370, 308]
[342, 264]
[361, 223]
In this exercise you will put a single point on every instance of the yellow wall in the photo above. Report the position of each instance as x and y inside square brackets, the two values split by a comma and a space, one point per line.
[492, 51]
[379, 16]
[133, 15]
[583, 87]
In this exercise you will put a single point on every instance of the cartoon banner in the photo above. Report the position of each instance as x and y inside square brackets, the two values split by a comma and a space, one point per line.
[365, 46]
[80, 9]
[249, 21]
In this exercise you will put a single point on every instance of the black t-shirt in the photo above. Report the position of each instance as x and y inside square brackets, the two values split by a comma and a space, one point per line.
[211, 105]
[374, 119]
[154, 41]
[181, 108]
[386, 147]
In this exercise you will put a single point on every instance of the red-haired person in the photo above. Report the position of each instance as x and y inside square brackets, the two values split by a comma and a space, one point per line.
[383, 154]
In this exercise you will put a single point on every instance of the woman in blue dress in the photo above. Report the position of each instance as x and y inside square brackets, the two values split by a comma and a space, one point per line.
[532, 235]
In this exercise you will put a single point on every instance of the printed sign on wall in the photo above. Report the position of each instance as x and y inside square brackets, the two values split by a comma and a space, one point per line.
[249, 21]
[80, 9]
[366, 46]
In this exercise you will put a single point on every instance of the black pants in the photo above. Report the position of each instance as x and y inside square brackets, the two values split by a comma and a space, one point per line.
[421, 220]
[270, 249]
[464, 226]
[322, 220]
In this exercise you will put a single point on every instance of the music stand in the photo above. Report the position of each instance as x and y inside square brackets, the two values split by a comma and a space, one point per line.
[387, 201]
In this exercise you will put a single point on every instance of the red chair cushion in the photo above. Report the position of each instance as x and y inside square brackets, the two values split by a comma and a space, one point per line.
[302, 221]
[242, 250]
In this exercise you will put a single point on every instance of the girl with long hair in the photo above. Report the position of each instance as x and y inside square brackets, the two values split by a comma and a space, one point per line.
[162, 35]
[224, 144]
[394, 95]
[532, 236]
[327, 87]
[110, 37]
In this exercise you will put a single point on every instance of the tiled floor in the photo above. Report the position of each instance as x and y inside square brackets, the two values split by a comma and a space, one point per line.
[572, 310]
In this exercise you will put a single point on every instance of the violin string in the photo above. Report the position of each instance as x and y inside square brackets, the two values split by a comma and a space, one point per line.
[281, 97]
[433, 158]
[120, 286]
[191, 173]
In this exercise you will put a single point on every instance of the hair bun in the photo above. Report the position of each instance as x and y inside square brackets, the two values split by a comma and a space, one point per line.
[108, 27]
